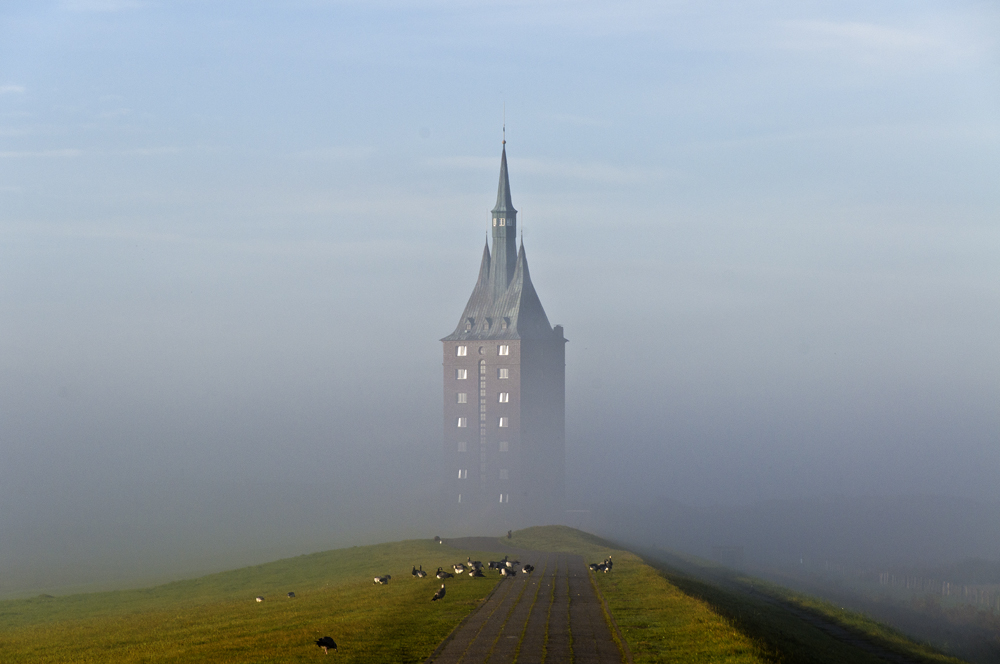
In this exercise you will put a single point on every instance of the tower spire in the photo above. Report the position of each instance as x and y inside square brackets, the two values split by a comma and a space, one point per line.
[504, 229]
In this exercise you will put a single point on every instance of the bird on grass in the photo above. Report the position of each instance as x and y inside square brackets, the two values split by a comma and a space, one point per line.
[383, 580]
[441, 574]
[291, 595]
[326, 643]
[421, 573]
[439, 594]
[528, 569]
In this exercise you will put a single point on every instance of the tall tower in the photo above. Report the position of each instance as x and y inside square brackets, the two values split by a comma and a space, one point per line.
[504, 391]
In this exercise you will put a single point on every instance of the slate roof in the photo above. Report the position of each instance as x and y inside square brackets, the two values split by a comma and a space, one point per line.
[503, 311]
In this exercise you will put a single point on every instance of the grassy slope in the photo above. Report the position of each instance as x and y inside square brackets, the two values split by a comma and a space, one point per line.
[667, 616]
[215, 618]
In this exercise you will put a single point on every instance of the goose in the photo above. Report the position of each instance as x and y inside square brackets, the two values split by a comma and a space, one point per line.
[474, 563]
[507, 571]
[528, 569]
[441, 574]
[476, 573]
[421, 573]
[326, 643]
[291, 595]
[259, 598]
[414, 572]
[439, 594]
[459, 568]
[383, 580]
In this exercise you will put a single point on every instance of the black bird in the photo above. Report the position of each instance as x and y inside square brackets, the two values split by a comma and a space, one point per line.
[476, 573]
[326, 643]
[441, 574]
[439, 594]
[291, 595]
[528, 569]
[414, 572]
[421, 573]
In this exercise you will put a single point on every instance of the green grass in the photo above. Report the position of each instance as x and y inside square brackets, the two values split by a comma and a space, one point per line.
[659, 622]
[216, 619]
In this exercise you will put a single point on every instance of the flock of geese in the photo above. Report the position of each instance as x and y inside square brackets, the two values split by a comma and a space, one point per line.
[474, 568]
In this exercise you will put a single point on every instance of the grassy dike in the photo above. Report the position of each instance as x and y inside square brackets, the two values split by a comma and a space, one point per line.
[668, 610]
[707, 615]
[216, 619]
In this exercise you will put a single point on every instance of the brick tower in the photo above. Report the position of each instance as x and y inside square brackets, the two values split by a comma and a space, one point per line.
[504, 392]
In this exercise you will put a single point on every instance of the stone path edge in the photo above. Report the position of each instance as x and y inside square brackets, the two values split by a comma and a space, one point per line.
[451, 635]
[619, 637]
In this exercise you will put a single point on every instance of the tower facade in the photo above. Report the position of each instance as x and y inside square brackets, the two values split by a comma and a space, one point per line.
[504, 391]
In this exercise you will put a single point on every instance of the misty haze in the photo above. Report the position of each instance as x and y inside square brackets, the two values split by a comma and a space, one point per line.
[233, 238]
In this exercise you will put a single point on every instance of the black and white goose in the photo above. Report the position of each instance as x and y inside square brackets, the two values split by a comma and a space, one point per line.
[439, 594]
[421, 573]
[383, 580]
[441, 574]
[528, 569]
[326, 643]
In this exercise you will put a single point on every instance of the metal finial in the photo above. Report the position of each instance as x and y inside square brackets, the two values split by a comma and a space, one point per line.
[504, 123]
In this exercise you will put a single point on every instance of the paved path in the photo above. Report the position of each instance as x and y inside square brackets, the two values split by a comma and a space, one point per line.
[550, 616]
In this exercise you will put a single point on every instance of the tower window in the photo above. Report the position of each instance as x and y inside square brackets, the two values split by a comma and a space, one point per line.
[482, 366]
[504, 446]
[463, 474]
[503, 474]
[494, 221]
[502, 221]
[469, 322]
[461, 374]
[462, 446]
[463, 397]
[461, 351]
[504, 397]
[463, 422]
[503, 372]
[459, 497]
[504, 422]
[503, 350]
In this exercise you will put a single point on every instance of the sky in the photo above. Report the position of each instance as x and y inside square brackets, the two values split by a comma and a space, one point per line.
[233, 233]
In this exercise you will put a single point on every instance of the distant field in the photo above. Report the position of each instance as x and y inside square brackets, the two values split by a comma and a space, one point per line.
[663, 615]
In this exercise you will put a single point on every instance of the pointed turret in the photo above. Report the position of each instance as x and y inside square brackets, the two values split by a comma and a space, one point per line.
[504, 232]
[504, 204]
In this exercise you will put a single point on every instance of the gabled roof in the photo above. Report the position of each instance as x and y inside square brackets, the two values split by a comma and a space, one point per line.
[517, 314]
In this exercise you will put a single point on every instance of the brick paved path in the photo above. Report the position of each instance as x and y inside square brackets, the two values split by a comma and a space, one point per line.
[550, 616]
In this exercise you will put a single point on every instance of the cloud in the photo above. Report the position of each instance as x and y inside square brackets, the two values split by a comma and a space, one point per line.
[117, 113]
[150, 152]
[102, 5]
[874, 43]
[587, 171]
[9, 154]
[11, 89]
[336, 153]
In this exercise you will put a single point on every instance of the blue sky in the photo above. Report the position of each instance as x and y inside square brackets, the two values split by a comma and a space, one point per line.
[231, 234]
